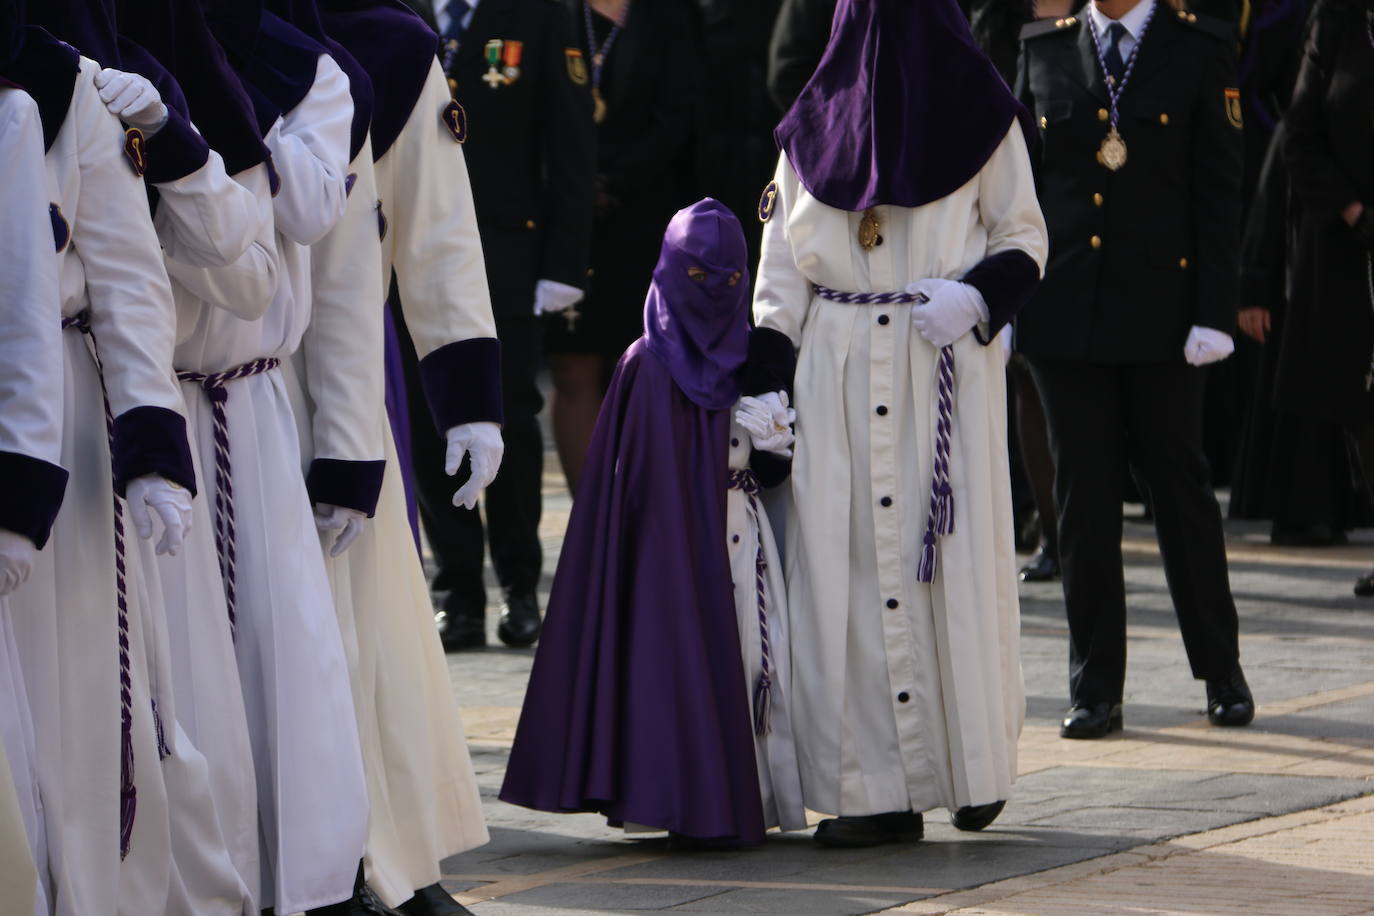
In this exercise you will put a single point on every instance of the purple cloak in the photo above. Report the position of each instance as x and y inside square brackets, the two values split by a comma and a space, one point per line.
[637, 706]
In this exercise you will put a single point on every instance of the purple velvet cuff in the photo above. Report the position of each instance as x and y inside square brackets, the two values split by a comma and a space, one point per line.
[175, 151]
[152, 440]
[463, 383]
[1007, 280]
[772, 362]
[770, 469]
[31, 496]
[351, 484]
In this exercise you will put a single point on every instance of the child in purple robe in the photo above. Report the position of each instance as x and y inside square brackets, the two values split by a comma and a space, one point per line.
[638, 706]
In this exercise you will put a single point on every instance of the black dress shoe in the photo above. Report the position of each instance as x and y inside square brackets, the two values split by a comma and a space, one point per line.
[1364, 586]
[363, 903]
[976, 817]
[462, 633]
[873, 830]
[520, 622]
[1229, 701]
[1043, 567]
[1095, 720]
[433, 901]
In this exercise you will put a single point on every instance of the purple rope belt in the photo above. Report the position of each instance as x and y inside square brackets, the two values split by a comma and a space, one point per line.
[128, 794]
[940, 520]
[226, 534]
[747, 483]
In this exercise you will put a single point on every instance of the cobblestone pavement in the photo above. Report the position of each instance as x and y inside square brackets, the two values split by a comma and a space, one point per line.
[1171, 816]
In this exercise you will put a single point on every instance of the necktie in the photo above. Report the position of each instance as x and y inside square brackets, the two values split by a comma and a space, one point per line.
[457, 13]
[1116, 67]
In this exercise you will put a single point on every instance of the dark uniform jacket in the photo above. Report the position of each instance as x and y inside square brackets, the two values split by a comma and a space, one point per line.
[1137, 256]
[531, 148]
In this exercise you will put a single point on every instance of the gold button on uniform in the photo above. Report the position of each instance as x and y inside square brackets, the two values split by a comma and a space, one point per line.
[1103, 114]
[1096, 241]
[1097, 200]
[529, 224]
[1044, 122]
[1183, 263]
[1164, 119]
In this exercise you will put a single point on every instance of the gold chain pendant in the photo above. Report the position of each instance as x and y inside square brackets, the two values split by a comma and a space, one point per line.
[1113, 151]
[868, 230]
[598, 106]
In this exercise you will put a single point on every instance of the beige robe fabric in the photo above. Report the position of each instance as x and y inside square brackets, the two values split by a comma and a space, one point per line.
[919, 705]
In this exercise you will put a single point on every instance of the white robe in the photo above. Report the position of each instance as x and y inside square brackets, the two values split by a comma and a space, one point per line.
[31, 426]
[426, 805]
[113, 267]
[747, 533]
[920, 705]
[312, 796]
[208, 220]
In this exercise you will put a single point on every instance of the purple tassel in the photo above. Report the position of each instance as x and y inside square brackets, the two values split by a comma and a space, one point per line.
[944, 510]
[925, 572]
[763, 706]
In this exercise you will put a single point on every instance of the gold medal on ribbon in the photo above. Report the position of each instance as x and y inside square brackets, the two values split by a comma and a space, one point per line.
[598, 105]
[1112, 154]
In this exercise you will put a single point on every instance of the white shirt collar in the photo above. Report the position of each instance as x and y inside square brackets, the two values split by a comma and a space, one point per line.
[1134, 21]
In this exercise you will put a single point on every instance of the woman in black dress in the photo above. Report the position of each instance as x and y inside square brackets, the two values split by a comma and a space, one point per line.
[642, 58]
[1326, 366]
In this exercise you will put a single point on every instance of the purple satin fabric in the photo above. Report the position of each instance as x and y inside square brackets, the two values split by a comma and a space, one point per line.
[903, 109]
[398, 414]
[699, 328]
[637, 706]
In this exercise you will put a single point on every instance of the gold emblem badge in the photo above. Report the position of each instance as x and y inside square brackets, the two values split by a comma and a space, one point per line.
[768, 202]
[136, 150]
[577, 65]
[456, 120]
[1233, 113]
[869, 230]
[1112, 153]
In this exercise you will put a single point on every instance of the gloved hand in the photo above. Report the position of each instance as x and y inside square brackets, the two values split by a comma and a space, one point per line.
[348, 522]
[768, 421]
[133, 99]
[1207, 345]
[551, 297]
[482, 443]
[951, 312]
[17, 554]
[172, 505]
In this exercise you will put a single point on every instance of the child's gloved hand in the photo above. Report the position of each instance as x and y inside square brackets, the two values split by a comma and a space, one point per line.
[768, 421]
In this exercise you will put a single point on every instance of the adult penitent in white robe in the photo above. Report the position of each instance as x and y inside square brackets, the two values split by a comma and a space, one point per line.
[907, 696]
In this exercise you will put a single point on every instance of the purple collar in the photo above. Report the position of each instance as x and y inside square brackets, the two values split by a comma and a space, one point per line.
[305, 15]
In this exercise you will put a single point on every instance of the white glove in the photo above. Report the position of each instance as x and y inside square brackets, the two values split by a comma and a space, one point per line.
[768, 421]
[17, 554]
[1207, 345]
[482, 442]
[551, 297]
[348, 522]
[172, 505]
[132, 99]
[954, 308]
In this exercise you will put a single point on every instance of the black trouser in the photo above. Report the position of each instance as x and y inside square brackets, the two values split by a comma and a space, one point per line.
[1100, 418]
[512, 503]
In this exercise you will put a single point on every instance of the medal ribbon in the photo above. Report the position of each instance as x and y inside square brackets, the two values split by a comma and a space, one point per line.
[599, 54]
[1114, 88]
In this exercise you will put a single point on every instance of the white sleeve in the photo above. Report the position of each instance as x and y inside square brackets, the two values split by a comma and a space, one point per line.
[131, 309]
[1007, 201]
[246, 287]
[30, 303]
[435, 247]
[309, 147]
[206, 219]
[342, 347]
[782, 295]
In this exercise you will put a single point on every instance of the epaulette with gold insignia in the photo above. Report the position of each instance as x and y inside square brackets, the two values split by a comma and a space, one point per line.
[1211, 25]
[1043, 27]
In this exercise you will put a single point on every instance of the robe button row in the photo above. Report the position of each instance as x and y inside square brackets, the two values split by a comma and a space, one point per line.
[883, 319]
[885, 501]
[892, 604]
[881, 410]
[903, 697]
[734, 539]
[734, 443]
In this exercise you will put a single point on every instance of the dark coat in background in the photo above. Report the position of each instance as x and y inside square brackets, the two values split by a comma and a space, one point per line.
[1328, 340]
[799, 40]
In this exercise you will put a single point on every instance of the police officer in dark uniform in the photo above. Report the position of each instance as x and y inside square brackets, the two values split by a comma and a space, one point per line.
[515, 67]
[1139, 174]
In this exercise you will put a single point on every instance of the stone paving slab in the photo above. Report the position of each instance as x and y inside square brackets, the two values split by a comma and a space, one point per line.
[1168, 807]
